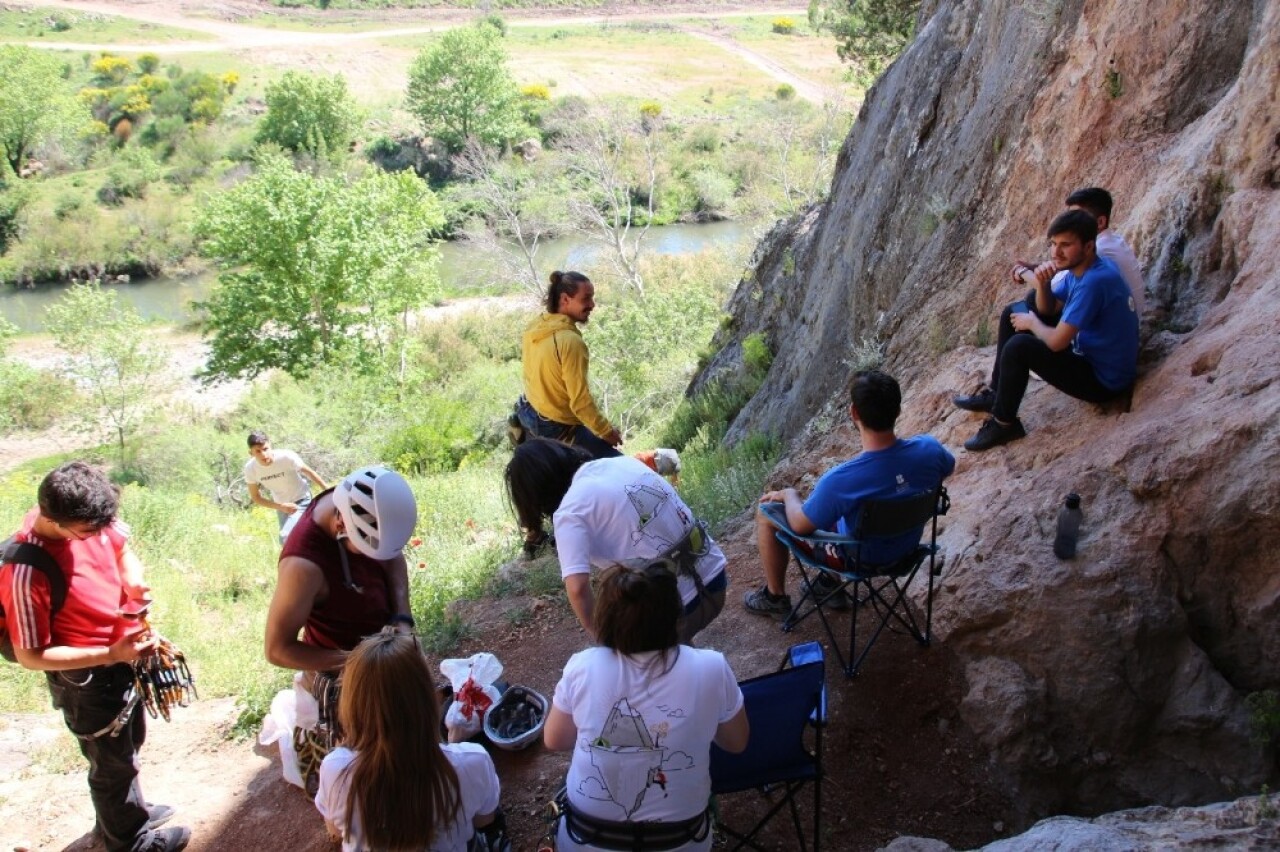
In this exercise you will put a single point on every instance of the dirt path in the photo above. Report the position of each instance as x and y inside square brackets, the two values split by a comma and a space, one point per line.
[898, 759]
[234, 36]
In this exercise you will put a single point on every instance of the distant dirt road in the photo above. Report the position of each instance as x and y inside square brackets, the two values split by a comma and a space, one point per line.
[233, 36]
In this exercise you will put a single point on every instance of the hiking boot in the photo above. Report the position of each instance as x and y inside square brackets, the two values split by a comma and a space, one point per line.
[993, 433]
[982, 401]
[515, 431]
[534, 543]
[762, 602]
[157, 815]
[829, 592]
[167, 840]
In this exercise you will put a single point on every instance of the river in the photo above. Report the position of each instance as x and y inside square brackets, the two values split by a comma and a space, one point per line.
[168, 299]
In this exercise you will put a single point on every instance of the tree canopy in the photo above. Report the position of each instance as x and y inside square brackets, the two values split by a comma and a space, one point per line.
[311, 114]
[874, 32]
[316, 269]
[460, 88]
[36, 103]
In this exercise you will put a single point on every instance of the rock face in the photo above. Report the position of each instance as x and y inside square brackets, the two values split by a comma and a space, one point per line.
[1245, 824]
[1117, 679]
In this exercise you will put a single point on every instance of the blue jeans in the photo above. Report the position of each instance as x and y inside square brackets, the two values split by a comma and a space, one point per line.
[579, 436]
[288, 522]
[90, 699]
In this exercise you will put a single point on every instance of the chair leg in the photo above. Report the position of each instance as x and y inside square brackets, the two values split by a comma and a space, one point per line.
[899, 609]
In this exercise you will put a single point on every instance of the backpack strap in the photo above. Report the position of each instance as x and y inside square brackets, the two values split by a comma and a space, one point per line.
[25, 553]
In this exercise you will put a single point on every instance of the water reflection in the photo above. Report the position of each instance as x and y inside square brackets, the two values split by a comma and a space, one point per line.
[169, 299]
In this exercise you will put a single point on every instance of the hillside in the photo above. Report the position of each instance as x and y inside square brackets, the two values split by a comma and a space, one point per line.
[1118, 679]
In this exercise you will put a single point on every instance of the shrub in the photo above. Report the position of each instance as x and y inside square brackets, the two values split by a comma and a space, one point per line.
[650, 110]
[714, 190]
[756, 354]
[784, 26]
[67, 204]
[704, 138]
[148, 63]
[437, 443]
[229, 81]
[60, 21]
[129, 175]
[536, 91]
[785, 92]
[111, 69]
[32, 399]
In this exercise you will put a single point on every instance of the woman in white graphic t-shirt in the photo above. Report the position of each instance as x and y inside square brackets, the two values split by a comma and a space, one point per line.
[640, 713]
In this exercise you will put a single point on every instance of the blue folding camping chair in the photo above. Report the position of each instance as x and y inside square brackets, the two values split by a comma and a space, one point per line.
[781, 707]
[880, 589]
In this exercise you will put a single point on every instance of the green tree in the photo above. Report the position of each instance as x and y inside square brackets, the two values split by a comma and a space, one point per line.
[874, 32]
[109, 357]
[311, 114]
[36, 104]
[460, 88]
[315, 269]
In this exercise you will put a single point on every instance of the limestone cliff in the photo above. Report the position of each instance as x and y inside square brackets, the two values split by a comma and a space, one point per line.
[1117, 679]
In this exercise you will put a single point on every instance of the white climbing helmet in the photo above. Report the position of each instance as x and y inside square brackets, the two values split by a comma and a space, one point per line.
[378, 510]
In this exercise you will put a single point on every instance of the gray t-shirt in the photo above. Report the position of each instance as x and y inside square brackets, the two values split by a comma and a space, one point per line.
[283, 477]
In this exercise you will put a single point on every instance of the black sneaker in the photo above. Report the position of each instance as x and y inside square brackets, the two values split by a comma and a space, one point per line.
[982, 401]
[167, 840]
[762, 602]
[992, 434]
[534, 543]
[157, 815]
[828, 591]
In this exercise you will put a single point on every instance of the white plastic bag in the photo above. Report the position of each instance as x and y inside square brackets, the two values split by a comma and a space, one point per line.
[473, 693]
[291, 708]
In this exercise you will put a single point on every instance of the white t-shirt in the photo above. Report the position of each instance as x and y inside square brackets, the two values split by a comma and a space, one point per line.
[618, 508]
[1113, 247]
[283, 477]
[477, 783]
[644, 740]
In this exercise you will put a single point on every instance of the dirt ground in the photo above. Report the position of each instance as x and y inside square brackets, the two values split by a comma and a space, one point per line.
[898, 760]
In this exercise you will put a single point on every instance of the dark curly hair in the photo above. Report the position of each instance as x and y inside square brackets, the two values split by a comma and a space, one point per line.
[78, 493]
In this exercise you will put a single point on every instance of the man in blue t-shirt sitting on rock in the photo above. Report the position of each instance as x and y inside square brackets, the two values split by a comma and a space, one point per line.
[1091, 353]
[887, 467]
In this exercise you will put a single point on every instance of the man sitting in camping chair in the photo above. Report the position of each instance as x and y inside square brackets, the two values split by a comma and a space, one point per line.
[887, 467]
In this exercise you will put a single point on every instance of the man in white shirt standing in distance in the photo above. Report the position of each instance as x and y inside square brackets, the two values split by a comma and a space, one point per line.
[281, 472]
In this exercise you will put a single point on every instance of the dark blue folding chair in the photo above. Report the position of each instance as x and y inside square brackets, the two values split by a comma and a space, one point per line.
[781, 707]
[878, 588]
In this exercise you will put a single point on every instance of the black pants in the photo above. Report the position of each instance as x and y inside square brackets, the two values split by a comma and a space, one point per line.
[90, 700]
[1068, 372]
[1005, 331]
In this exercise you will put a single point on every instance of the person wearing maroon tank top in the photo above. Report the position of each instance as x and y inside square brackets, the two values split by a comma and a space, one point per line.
[342, 574]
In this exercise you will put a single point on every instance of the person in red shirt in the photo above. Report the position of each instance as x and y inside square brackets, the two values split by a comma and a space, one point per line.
[85, 649]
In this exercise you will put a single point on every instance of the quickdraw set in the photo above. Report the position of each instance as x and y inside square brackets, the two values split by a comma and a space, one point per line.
[163, 681]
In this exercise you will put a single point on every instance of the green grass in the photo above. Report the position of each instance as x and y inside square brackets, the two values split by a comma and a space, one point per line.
[212, 568]
[35, 23]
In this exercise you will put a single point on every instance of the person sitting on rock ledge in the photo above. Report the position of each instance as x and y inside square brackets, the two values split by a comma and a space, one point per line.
[887, 467]
[1090, 353]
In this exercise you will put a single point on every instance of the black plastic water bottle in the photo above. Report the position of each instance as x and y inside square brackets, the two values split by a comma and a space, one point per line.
[1069, 518]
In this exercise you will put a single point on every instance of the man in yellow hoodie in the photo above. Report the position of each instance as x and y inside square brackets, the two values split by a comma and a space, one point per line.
[557, 401]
